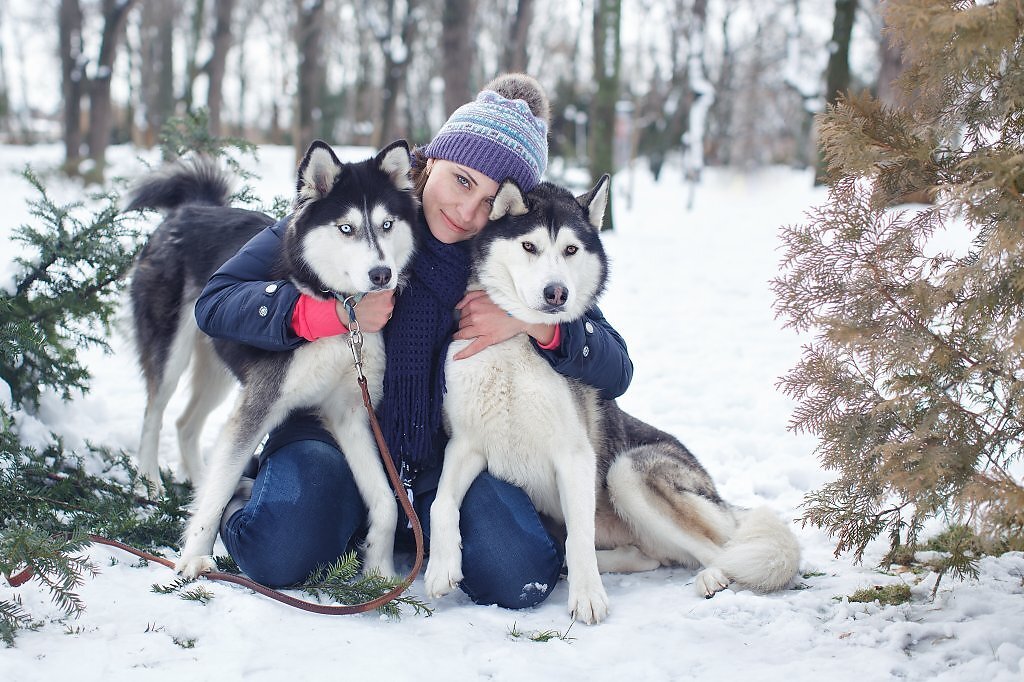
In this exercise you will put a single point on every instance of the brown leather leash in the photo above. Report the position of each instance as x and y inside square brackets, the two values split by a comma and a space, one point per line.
[355, 343]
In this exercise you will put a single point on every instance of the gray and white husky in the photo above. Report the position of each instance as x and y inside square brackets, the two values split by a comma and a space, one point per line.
[351, 231]
[630, 497]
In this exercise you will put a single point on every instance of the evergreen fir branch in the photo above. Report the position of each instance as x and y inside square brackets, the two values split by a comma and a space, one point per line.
[197, 593]
[176, 585]
[47, 505]
[64, 293]
[339, 582]
[914, 381]
[12, 617]
[190, 134]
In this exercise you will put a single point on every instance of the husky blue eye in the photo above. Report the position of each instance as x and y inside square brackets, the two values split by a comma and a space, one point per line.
[529, 247]
[345, 228]
[387, 225]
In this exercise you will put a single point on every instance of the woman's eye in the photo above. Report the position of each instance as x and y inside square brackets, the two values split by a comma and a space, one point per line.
[462, 180]
[528, 247]
[345, 228]
[570, 250]
[387, 225]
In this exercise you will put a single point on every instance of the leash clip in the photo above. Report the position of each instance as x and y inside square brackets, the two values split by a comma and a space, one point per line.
[355, 334]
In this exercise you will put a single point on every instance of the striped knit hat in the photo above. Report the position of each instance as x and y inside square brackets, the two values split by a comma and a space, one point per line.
[500, 137]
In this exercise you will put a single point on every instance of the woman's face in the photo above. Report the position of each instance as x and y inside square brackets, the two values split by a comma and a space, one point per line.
[456, 200]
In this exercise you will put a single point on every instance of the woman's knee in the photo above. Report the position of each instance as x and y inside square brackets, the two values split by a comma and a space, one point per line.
[304, 512]
[508, 558]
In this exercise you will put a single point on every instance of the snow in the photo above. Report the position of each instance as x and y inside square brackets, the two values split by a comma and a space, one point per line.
[689, 292]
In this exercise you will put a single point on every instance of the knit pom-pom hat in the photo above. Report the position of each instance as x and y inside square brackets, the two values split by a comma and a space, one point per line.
[500, 136]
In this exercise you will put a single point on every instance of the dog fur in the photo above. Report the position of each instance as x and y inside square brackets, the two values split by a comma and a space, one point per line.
[629, 496]
[351, 231]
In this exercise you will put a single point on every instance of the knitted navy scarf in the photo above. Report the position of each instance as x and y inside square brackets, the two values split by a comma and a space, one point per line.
[415, 341]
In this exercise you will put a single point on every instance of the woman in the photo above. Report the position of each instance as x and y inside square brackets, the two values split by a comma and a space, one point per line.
[303, 509]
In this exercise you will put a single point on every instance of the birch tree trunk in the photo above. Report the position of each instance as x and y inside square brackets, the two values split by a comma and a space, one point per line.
[607, 58]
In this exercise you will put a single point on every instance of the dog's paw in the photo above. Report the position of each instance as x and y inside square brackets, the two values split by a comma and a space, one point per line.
[711, 581]
[149, 487]
[441, 577]
[195, 566]
[588, 604]
[383, 566]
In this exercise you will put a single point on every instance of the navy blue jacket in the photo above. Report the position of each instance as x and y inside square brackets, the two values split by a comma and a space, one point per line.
[242, 303]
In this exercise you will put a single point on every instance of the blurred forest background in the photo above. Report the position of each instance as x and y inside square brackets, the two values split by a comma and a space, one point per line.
[718, 82]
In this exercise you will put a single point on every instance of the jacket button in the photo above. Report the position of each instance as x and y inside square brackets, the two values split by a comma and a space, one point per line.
[263, 311]
[586, 351]
[271, 288]
[589, 327]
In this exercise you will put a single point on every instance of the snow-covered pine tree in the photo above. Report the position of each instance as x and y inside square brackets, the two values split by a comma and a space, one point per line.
[914, 380]
[63, 299]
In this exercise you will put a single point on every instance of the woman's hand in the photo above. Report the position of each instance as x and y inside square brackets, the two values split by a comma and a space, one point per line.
[486, 324]
[372, 312]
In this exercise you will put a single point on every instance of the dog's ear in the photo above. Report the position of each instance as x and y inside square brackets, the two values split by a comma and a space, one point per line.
[393, 160]
[508, 201]
[595, 202]
[318, 171]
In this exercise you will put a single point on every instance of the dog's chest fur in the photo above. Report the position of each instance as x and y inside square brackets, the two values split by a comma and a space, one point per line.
[322, 373]
[520, 414]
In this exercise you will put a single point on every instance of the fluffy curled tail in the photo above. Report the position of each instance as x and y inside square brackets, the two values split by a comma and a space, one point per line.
[195, 181]
[763, 553]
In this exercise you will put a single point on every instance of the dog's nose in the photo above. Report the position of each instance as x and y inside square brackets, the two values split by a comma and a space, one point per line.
[556, 294]
[380, 277]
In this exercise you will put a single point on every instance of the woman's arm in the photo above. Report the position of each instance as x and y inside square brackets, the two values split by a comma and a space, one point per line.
[588, 349]
[243, 302]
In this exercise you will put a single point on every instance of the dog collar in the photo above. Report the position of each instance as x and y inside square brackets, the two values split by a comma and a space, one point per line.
[350, 301]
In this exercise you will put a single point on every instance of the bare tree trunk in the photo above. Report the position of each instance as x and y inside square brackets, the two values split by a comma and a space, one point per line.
[311, 72]
[458, 52]
[192, 68]
[890, 68]
[396, 66]
[514, 58]
[69, 21]
[115, 13]
[837, 73]
[157, 66]
[607, 59]
[222, 40]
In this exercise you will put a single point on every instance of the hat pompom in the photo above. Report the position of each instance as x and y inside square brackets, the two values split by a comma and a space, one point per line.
[526, 88]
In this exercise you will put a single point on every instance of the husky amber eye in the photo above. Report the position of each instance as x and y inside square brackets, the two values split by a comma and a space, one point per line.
[571, 249]
[528, 247]
[345, 228]
[387, 225]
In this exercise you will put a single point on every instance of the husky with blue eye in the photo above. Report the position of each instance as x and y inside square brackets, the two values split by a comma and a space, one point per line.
[351, 230]
[629, 496]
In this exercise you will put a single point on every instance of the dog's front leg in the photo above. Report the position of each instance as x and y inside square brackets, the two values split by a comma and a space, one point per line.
[462, 464]
[234, 447]
[353, 434]
[575, 474]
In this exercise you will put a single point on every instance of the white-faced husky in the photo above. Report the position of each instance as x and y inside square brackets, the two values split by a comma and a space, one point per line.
[351, 231]
[509, 412]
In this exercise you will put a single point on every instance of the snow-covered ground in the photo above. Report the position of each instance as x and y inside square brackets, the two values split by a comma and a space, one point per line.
[689, 292]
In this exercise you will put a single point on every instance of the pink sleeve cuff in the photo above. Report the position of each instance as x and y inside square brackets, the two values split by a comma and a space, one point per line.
[314, 319]
[555, 340]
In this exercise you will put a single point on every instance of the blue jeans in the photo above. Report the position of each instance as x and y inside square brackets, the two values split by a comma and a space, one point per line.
[305, 511]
